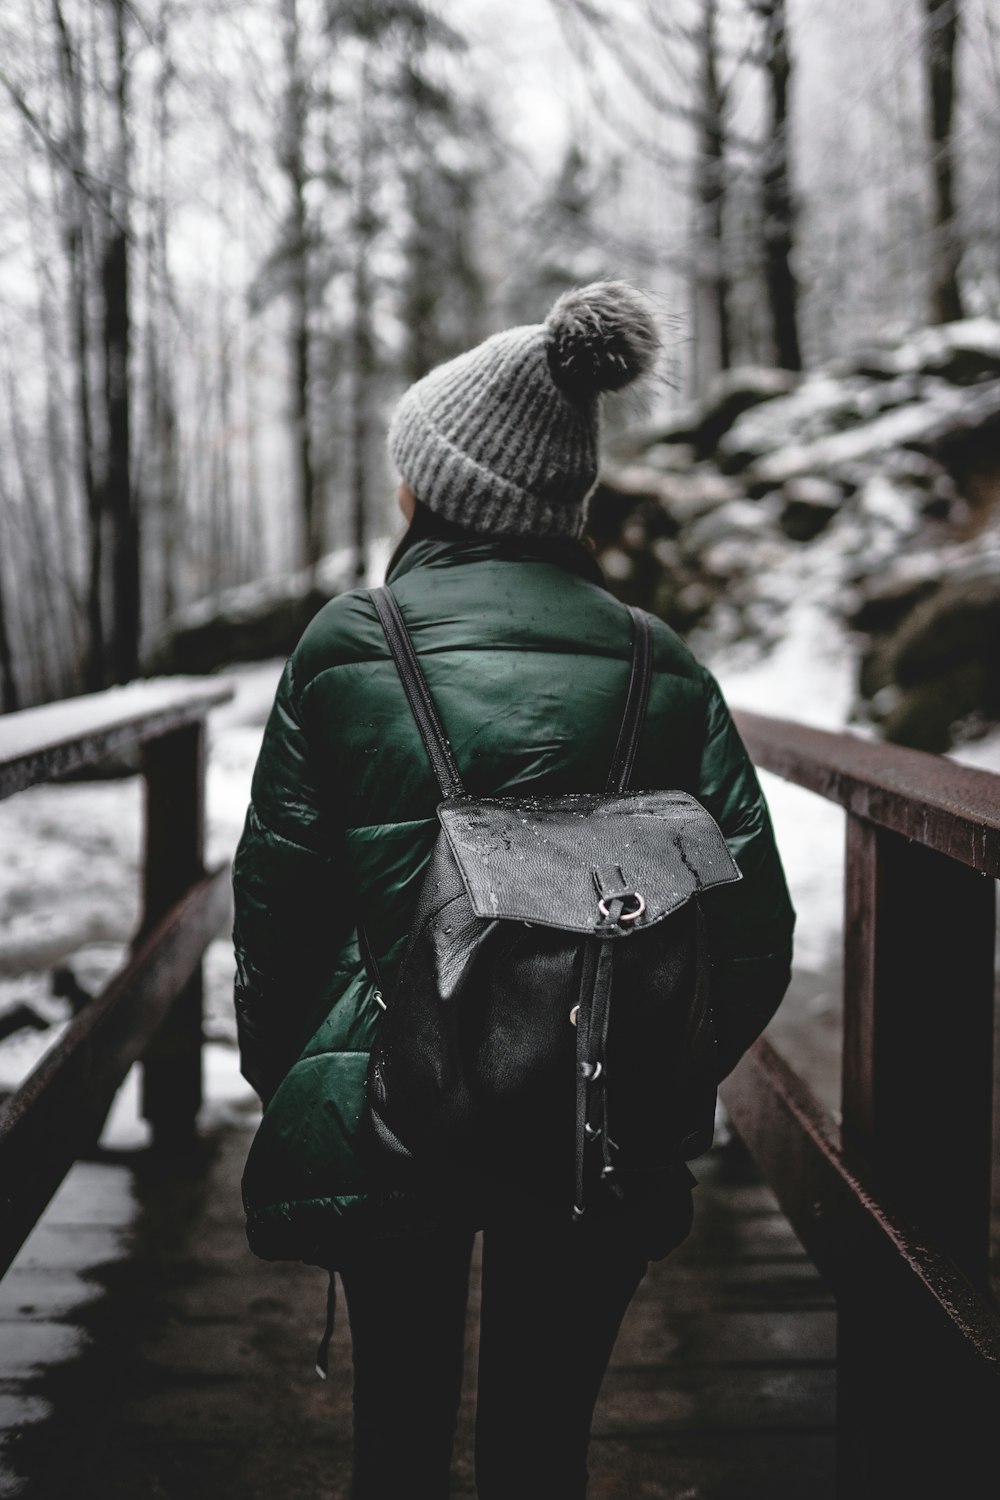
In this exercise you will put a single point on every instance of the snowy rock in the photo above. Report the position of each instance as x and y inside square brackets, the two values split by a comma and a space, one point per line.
[886, 602]
[257, 621]
[961, 353]
[731, 394]
[736, 521]
[701, 490]
[253, 622]
[966, 443]
[671, 458]
[679, 430]
[820, 406]
[867, 440]
[848, 505]
[701, 425]
[889, 505]
[234, 634]
[683, 495]
[809, 505]
[630, 508]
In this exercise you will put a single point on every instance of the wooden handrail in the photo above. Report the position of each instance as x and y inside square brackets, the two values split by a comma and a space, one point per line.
[152, 1009]
[948, 807]
[65, 1099]
[38, 744]
[893, 1202]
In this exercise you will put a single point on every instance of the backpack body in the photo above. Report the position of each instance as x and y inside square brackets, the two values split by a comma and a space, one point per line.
[549, 1037]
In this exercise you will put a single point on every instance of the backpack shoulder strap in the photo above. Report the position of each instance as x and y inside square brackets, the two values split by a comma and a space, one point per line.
[635, 702]
[418, 693]
[432, 731]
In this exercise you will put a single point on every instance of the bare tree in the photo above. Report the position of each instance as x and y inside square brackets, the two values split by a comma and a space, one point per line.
[362, 341]
[940, 40]
[10, 698]
[78, 240]
[713, 350]
[297, 250]
[123, 510]
[776, 191]
[158, 456]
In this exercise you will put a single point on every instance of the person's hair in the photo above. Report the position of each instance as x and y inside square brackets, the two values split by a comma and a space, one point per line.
[578, 552]
[427, 524]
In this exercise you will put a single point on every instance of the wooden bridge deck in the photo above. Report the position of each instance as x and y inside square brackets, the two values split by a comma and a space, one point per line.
[188, 1374]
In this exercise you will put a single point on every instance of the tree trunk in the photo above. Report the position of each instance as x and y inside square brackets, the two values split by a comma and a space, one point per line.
[941, 36]
[293, 161]
[420, 288]
[159, 467]
[223, 531]
[62, 539]
[122, 507]
[362, 347]
[254, 550]
[77, 242]
[34, 562]
[777, 202]
[10, 697]
[711, 282]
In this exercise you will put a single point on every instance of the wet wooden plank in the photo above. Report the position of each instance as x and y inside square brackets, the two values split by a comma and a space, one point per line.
[766, 1464]
[850, 1235]
[916, 1337]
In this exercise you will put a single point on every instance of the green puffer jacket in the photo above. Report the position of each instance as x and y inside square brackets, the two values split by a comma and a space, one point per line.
[527, 656]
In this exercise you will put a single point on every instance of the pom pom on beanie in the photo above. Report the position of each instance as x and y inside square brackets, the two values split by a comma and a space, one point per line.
[600, 338]
[505, 437]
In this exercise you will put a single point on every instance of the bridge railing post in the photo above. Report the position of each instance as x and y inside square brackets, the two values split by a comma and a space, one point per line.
[917, 1080]
[174, 771]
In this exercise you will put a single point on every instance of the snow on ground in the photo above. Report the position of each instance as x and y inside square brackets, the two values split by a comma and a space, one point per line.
[983, 753]
[808, 676]
[69, 892]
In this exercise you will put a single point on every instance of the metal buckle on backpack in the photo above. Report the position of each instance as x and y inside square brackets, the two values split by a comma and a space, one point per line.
[625, 916]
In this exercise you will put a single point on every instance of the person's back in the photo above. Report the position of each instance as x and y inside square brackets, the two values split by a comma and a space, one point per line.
[527, 656]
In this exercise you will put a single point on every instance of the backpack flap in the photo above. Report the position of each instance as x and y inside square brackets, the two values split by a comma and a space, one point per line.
[539, 859]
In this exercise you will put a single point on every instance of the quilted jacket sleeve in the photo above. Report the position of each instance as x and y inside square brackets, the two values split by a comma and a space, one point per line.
[750, 923]
[289, 907]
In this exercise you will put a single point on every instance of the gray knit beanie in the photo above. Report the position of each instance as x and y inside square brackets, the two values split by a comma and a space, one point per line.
[505, 437]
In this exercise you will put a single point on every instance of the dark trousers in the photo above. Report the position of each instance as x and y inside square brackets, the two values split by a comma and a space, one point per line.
[553, 1299]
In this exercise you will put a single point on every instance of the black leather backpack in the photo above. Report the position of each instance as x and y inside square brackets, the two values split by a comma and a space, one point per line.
[549, 1036]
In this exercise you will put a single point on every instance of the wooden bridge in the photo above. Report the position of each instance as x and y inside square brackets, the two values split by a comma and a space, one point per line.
[828, 1329]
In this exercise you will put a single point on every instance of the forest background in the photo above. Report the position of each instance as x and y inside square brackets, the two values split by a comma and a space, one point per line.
[232, 231]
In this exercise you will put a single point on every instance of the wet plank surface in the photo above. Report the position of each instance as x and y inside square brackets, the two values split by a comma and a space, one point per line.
[156, 1358]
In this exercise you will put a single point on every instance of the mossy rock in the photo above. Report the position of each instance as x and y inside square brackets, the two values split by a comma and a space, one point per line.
[884, 606]
[924, 716]
[956, 627]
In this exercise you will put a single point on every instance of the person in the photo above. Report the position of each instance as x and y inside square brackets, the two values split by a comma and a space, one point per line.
[527, 656]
